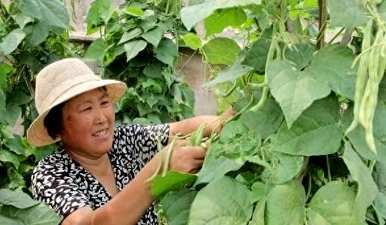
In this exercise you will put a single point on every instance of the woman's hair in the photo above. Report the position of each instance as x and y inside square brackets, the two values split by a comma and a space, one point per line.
[54, 119]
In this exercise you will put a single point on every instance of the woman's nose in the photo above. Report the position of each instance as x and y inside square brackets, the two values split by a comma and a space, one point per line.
[100, 116]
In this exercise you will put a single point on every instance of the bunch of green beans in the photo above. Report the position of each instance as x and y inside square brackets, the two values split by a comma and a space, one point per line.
[372, 65]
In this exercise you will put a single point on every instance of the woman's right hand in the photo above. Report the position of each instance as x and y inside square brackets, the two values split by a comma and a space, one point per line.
[186, 159]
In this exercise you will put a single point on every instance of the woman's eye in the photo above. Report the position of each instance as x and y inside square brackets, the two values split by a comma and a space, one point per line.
[86, 109]
[105, 103]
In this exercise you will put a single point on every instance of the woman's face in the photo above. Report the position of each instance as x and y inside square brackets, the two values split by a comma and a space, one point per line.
[88, 122]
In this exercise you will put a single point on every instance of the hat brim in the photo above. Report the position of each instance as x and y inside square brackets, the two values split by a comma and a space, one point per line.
[37, 134]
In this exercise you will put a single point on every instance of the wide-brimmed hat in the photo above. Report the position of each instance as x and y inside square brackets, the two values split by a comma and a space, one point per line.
[57, 83]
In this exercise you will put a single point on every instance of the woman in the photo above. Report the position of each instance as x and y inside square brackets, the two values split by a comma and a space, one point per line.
[100, 175]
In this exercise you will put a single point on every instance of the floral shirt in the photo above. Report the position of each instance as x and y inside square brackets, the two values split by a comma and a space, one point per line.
[64, 185]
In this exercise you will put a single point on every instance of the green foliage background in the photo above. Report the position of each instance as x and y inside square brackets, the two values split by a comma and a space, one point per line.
[285, 158]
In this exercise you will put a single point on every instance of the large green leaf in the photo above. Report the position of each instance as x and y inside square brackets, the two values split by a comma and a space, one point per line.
[230, 74]
[134, 47]
[9, 221]
[11, 41]
[215, 167]
[127, 36]
[100, 12]
[38, 32]
[5, 71]
[347, 13]
[334, 64]
[256, 56]
[51, 12]
[283, 168]
[167, 52]
[176, 206]
[380, 204]
[7, 156]
[333, 204]
[192, 41]
[36, 215]
[154, 36]
[96, 50]
[357, 136]
[367, 189]
[295, 89]
[191, 15]
[17, 199]
[264, 121]
[221, 51]
[172, 180]
[300, 54]
[316, 132]
[224, 201]
[285, 204]
[221, 19]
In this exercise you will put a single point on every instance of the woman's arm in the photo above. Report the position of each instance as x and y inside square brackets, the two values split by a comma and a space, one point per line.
[213, 124]
[128, 206]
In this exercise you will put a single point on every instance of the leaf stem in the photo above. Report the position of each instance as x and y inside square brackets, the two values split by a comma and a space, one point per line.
[328, 169]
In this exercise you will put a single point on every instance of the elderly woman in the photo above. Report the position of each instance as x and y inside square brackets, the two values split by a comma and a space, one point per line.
[100, 175]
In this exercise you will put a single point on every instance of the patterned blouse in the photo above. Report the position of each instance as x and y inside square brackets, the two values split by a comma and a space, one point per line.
[64, 185]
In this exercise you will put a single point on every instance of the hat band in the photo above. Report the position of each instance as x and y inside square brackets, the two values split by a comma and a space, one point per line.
[57, 92]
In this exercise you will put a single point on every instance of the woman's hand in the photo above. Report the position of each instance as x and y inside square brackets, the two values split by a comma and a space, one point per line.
[217, 125]
[185, 158]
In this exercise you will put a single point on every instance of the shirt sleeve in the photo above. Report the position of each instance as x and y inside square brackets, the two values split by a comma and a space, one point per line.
[142, 140]
[51, 186]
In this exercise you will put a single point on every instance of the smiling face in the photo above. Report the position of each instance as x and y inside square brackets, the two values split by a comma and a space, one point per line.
[88, 121]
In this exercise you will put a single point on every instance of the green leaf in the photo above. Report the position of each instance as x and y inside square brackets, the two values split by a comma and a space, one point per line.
[300, 54]
[127, 36]
[192, 41]
[229, 74]
[7, 156]
[264, 121]
[96, 50]
[357, 136]
[134, 11]
[154, 36]
[380, 204]
[256, 55]
[382, 10]
[333, 204]
[23, 20]
[334, 66]
[9, 221]
[5, 71]
[176, 206]
[215, 204]
[38, 32]
[294, 90]
[221, 51]
[316, 132]
[52, 12]
[283, 168]
[100, 12]
[347, 13]
[134, 47]
[258, 214]
[11, 41]
[285, 205]
[36, 215]
[17, 199]
[167, 52]
[367, 189]
[172, 181]
[15, 145]
[220, 19]
[193, 14]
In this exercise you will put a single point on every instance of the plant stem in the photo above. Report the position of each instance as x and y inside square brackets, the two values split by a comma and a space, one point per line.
[336, 35]
[328, 169]
[322, 23]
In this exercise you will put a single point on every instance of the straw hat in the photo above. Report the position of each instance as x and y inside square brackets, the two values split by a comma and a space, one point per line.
[59, 82]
